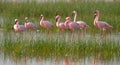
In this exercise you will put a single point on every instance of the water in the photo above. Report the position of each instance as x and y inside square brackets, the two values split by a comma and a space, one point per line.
[7, 60]
[33, 61]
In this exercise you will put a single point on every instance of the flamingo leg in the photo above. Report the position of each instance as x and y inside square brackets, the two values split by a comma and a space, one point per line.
[84, 32]
[110, 33]
[101, 34]
[104, 34]
[31, 37]
[22, 35]
[79, 34]
[63, 35]
[72, 35]
[47, 33]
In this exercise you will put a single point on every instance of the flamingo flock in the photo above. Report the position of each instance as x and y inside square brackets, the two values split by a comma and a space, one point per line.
[68, 24]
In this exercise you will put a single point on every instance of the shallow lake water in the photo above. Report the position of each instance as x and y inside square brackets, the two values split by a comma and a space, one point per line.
[4, 60]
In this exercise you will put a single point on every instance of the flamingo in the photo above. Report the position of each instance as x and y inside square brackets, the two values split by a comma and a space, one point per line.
[103, 26]
[71, 25]
[29, 25]
[45, 24]
[82, 24]
[59, 24]
[19, 28]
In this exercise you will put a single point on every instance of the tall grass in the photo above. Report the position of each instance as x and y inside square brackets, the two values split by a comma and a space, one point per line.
[109, 12]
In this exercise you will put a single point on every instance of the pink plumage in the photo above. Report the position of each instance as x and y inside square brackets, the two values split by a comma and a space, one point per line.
[45, 24]
[59, 24]
[17, 27]
[29, 25]
[71, 25]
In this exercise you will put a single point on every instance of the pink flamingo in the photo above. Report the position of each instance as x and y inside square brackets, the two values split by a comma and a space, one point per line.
[29, 25]
[45, 24]
[19, 28]
[82, 24]
[103, 26]
[59, 24]
[71, 25]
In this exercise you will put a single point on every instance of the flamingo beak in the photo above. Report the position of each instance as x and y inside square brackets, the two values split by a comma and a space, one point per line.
[15, 22]
[56, 19]
[41, 16]
[95, 14]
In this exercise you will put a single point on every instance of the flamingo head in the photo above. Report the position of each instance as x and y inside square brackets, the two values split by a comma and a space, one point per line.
[68, 19]
[57, 17]
[74, 13]
[26, 19]
[16, 21]
[41, 16]
[96, 13]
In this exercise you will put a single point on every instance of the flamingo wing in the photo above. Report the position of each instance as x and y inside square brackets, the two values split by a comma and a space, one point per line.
[48, 24]
[73, 25]
[104, 25]
[21, 28]
[33, 26]
[82, 24]
[62, 25]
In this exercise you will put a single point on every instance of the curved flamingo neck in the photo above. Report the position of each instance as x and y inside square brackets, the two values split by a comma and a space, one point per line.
[26, 21]
[96, 18]
[75, 17]
[42, 19]
[58, 21]
[17, 23]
